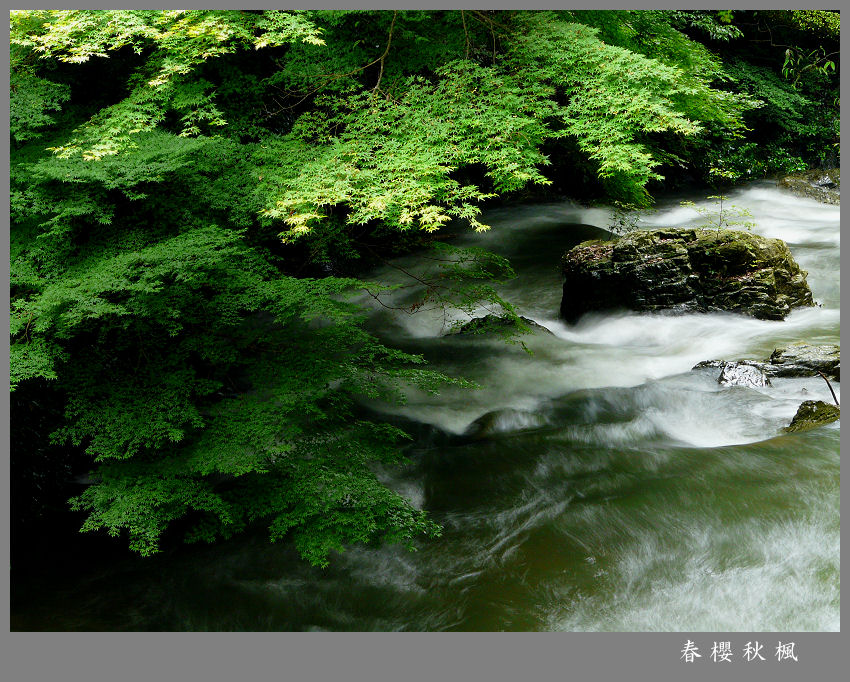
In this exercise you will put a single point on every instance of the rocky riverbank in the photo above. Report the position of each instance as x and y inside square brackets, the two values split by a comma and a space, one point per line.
[822, 185]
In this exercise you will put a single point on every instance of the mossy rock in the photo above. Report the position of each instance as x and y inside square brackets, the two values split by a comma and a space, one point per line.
[684, 270]
[813, 413]
[496, 324]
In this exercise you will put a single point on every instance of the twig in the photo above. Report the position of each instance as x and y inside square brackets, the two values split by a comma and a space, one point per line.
[490, 23]
[27, 327]
[331, 77]
[830, 387]
[488, 20]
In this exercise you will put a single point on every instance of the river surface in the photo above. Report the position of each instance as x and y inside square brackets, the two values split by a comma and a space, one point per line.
[614, 489]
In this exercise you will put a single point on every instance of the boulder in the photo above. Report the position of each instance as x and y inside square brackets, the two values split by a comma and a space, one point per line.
[684, 270]
[823, 185]
[803, 360]
[813, 413]
[742, 374]
[495, 323]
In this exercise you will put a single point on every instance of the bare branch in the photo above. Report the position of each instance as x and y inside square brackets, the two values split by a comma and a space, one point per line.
[465, 33]
[386, 51]
[830, 387]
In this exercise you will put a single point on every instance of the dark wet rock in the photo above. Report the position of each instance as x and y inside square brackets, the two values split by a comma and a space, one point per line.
[803, 360]
[706, 364]
[495, 323]
[684, 270]
[813, 413]
[822, 185]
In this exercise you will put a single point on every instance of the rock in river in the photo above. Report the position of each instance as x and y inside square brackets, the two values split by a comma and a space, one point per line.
[740, 374]
[505, 420]
[802, 360]
[814, 413]
[684, 270]
[796, 360]
[495, 323]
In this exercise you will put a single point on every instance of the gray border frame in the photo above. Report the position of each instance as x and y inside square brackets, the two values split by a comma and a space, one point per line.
[389, 656]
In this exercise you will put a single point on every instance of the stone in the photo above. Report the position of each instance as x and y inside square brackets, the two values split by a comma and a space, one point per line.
[822, 185]
[813, 413]
[742, 374]
[803, 360]
[795, 360]
[684, 270]
[495, 323]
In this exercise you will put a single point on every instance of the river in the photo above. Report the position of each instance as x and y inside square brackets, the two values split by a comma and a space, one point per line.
[617, 488]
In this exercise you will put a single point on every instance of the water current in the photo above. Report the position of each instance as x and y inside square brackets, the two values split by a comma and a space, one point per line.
[613, 488]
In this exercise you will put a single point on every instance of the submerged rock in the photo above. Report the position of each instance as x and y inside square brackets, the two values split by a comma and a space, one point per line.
[813, 413]
[823, 185]
[803, 360]
[495, 323]
[503, 421]
[684, 270]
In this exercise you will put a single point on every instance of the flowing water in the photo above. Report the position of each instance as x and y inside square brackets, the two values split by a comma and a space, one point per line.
[610, 487]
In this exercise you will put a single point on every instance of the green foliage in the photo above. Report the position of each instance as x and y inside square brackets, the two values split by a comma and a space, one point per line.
[616, 98]
[797, 62]
[821, 23]
[177, 42]
[289, 453]
[733, 161]
[722, 216]
[625, 218]
[31, 98]
[175, 329]
[717, 26]
[393, 159]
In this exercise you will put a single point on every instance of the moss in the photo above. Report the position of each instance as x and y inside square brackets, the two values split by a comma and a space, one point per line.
[591, 251]
[813, 413]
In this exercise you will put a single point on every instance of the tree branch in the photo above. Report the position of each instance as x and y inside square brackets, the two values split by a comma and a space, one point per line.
[386, 51]
[465, 33]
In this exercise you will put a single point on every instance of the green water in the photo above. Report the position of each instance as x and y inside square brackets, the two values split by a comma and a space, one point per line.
[616, 489]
